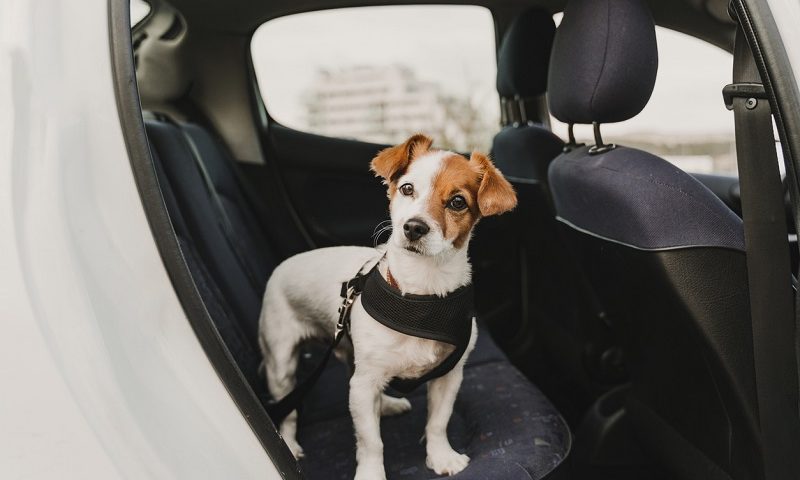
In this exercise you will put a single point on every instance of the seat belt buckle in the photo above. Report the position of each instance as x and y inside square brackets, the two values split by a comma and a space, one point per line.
[750, 91]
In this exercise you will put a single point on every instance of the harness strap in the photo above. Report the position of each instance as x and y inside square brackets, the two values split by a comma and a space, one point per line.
[407, 385]
[445, 319]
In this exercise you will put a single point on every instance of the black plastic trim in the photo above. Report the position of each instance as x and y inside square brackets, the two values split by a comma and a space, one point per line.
[132, 124]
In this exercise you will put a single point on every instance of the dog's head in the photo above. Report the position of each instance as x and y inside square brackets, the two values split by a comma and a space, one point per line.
[436, 196]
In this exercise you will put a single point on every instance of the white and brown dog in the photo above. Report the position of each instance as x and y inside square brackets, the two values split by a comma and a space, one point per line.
[436, 198]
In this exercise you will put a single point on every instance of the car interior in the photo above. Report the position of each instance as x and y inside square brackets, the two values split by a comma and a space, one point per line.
[615, 337]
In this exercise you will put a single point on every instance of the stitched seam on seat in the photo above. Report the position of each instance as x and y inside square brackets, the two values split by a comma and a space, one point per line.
[641, 248]
[603, 65]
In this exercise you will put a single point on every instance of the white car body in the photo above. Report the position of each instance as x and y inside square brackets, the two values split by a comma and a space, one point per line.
[101, 375]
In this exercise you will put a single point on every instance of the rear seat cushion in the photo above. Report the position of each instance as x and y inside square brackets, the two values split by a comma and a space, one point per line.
[328, 398]
[502, 422]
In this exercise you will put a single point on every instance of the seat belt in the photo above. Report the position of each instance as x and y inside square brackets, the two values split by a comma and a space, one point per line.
[768, 265]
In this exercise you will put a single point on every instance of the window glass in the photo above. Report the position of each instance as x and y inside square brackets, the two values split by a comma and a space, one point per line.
[380, 74]
[685, 121]
[139, 10]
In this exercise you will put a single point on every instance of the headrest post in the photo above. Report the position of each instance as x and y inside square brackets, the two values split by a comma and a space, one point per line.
[599, 146]
[571, 144]
[598, 139]
[523, 113]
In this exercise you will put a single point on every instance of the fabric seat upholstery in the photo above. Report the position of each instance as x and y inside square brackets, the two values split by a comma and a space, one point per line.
[664, 254]
[501, 419]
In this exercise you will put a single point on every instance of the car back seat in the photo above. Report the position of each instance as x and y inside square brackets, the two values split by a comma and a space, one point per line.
[573, 349]
[512, 433]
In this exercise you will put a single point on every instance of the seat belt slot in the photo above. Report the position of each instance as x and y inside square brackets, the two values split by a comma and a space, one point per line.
[743, 90]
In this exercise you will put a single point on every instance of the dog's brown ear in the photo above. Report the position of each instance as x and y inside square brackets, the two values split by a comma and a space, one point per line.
[495, 194]
[391, 163]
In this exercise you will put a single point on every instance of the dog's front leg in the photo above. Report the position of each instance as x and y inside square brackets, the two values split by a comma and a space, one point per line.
[442, 392]
[365, 404]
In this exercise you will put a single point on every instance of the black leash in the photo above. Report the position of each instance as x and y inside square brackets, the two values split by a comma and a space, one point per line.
[351, 289]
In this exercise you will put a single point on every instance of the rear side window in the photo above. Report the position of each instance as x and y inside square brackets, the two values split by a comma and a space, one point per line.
[139, 10]
[380, 74]
[685, 121]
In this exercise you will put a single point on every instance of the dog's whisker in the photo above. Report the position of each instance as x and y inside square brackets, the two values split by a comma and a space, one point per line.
[387, 228]
[376, 236]
[381, 226]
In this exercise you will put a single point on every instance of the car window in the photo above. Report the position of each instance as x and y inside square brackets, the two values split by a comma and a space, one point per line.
[685, 121]
[380, 74]
[139, 10]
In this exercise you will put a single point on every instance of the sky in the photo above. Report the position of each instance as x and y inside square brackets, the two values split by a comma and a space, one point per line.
[455, 46]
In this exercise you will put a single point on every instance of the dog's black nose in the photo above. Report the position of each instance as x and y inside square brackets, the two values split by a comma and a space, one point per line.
[415, 229]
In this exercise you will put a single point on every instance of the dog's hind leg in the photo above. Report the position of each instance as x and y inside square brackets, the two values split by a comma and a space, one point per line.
[279, 345]
[393, 405]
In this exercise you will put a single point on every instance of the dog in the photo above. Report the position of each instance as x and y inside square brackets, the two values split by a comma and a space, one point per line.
[435, 199]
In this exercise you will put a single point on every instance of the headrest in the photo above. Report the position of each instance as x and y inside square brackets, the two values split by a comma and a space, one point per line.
[604, 61]
[524, 55]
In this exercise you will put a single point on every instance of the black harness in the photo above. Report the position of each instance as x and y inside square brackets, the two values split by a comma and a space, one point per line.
[445, 319]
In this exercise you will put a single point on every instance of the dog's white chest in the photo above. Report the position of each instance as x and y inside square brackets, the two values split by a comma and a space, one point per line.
[390, 353]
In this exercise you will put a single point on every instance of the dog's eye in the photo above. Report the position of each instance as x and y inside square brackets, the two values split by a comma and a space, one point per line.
[407, 189]
[457, 203]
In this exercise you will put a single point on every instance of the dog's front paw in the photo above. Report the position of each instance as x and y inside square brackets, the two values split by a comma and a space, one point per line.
[393, 405]
[295, 447]
[446, 461]
[370, 471]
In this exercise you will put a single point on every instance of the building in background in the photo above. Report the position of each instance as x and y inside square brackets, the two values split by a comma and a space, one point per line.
[386, 104]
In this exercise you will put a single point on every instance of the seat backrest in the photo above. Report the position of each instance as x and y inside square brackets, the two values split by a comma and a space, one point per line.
[665, 255]
[570, 340]
[221, 235]
[524, 148]
[235, 334]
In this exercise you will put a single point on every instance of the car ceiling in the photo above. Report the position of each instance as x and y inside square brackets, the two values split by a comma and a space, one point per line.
[706, 19]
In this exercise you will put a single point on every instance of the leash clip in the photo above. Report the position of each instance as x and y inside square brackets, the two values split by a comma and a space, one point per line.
[344, 309]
